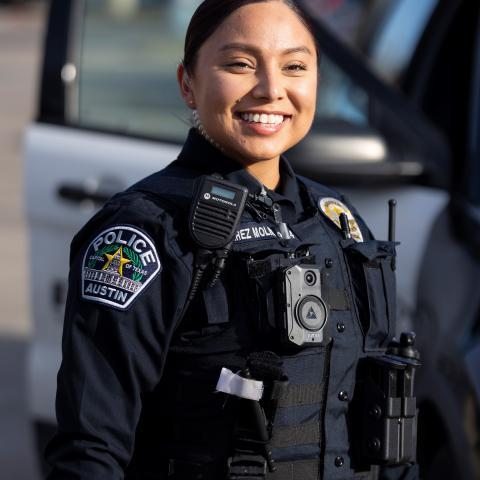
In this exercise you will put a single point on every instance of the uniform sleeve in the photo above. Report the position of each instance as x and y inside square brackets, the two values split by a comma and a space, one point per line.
[113, 352]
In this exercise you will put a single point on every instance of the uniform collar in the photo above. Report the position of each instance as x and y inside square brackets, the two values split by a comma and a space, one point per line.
[200, 155]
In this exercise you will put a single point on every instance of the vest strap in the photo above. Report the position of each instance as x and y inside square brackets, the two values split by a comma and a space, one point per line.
[301, 469]
[310, 470]
[252, 467]
[245, 466]
[297, 435]
[298, 395]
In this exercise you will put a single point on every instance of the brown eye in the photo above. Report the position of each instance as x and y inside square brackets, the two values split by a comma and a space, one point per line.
[240, 65]
[296, 67]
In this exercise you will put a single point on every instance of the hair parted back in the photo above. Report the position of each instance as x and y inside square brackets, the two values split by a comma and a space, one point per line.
[209, 16]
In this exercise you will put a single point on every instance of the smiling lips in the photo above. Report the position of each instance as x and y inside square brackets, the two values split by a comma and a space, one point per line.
[263, 123]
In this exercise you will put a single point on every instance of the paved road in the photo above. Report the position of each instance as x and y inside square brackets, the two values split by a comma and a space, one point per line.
[21, 30]
[17, 451]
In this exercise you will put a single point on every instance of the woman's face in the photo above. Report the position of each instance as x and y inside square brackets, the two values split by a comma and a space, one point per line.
[254, 82]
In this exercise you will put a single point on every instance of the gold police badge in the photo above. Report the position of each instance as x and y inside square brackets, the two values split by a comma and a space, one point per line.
[333, 208]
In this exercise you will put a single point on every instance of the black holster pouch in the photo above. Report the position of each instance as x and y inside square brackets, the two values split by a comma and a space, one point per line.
[384, 412]
[251, 457]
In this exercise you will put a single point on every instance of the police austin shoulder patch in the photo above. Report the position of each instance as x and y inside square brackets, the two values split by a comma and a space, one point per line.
[118, 265]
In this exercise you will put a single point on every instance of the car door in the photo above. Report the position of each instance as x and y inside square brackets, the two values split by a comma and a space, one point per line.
[109, 114]
[446, 86]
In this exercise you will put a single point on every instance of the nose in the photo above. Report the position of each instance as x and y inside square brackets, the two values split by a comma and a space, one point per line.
[269, 84]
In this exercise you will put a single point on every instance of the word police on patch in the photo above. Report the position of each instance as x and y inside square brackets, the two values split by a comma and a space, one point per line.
[118, 265]
[333, 208]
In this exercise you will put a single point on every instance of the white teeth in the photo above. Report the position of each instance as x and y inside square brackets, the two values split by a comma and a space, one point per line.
[264, 118]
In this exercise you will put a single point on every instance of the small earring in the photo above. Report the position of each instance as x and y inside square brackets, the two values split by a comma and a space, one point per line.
[197, 123]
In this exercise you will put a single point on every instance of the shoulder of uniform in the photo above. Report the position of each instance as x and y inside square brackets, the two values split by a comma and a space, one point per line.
[173, 185]
[160, 195]
[143, 207]
[122, 248]
[318, 189]
[121, 210]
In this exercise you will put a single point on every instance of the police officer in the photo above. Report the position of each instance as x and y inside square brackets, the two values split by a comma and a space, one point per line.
[140, 386]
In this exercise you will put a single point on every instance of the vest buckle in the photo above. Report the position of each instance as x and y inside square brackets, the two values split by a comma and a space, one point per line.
[246, 466]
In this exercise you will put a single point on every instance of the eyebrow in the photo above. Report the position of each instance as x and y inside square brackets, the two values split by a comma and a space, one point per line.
[250, 48]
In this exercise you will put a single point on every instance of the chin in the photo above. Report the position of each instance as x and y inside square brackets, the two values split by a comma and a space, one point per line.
[255, 156]
[258, 153]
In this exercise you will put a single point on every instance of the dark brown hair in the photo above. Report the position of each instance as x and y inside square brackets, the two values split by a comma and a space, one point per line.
[210, 15]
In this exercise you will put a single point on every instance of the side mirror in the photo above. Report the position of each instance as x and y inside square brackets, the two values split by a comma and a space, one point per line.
[341, 153]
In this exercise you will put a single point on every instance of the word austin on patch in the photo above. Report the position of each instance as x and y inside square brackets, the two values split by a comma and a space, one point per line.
[118, 265]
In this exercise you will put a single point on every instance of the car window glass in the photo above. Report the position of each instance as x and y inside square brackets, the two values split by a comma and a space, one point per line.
[339, 97]
[126, 55]
[373, 27]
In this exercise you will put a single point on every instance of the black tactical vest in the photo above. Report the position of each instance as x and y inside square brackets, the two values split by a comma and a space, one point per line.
[189, 427]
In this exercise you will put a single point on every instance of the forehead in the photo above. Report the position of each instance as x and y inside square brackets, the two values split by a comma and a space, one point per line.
[267, 25]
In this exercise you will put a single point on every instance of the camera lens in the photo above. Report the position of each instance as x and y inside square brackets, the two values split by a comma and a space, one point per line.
[310, 278]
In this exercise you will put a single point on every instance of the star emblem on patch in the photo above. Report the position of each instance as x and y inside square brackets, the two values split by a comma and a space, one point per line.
[115, 262]
[119, 264]
[332, 208]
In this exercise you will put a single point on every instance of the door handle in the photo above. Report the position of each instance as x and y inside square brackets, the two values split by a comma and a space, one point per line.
[90, 190]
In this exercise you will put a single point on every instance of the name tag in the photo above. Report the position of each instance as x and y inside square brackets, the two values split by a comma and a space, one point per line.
[251, 232]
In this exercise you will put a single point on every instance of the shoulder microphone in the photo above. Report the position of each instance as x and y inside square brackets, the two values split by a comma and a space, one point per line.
[215, 213]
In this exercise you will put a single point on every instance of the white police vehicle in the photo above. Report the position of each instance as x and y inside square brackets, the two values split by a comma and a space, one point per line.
[398, 116]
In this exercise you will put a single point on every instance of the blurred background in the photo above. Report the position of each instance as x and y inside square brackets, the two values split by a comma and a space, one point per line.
[22, 25]
[89, 104]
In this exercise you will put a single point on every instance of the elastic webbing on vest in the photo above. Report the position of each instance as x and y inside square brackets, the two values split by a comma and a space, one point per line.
[297, 435]
[302, 469]
[298, 395]
[297, 470]
[247, 466]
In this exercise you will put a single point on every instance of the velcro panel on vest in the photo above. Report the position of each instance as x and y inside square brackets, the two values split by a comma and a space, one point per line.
[301, 469]
[304, 434]
[336, 298]
[298, 395]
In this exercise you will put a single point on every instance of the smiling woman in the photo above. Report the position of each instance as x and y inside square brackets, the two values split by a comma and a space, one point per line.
[299, 299]
[253, 81]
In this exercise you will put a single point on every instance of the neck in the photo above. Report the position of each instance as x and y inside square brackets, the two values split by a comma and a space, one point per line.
[267, 172]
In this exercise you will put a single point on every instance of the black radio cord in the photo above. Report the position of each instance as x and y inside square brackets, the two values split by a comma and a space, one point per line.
[202, 260]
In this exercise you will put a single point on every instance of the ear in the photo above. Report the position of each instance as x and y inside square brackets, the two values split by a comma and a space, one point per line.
[185, 86]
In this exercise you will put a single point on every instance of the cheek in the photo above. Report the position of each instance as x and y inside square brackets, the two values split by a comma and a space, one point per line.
[221, 93]
[306, 96]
